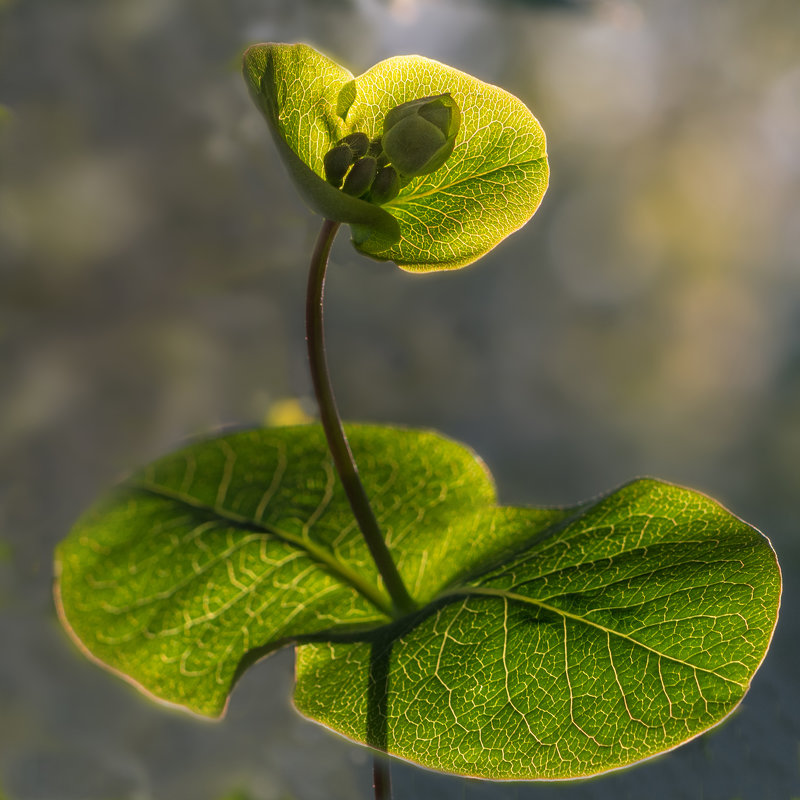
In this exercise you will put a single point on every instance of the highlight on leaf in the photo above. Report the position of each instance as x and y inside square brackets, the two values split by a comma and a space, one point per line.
[470, 159]
[550, 643]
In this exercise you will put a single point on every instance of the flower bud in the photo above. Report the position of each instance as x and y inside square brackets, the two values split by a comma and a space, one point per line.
[336, 162]
[357, 142]
[360, 177]
[385, 187]
[418, 136]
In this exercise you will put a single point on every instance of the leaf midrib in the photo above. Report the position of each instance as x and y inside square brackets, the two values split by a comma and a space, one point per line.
[402, 200]
[373, 595]
[472, 591]
[345, 573]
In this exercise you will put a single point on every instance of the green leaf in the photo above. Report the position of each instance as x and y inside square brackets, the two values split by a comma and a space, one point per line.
[627, 629]
[489, 187]
[231, 547]
[303, 95]
[550, 643]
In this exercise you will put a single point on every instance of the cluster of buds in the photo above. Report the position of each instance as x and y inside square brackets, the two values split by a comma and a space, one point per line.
[418, 137]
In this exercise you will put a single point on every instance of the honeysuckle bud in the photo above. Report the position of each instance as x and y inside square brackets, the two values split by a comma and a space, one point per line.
[360, 177]
[418, 136]
[358, 142]
[376, 150]
[385, 187]
[336, 162]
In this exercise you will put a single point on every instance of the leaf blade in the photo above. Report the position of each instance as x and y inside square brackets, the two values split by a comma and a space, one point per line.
[507, 685]
[551, 643]
[245, 542]
[491, 184]
[489, 187]
[302, 95]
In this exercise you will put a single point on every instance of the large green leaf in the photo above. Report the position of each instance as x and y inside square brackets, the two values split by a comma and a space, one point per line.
[620, 633]
[489, 187]
[246, 541]
[549, 642]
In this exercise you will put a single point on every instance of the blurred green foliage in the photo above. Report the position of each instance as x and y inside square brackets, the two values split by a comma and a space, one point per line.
[238, 794]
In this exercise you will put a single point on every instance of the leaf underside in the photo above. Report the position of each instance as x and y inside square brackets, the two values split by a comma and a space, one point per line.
[550, 643]
[489, 187]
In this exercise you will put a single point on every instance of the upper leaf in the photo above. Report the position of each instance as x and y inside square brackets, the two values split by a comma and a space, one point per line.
[550, 643]
[488, 187]
[304, 97]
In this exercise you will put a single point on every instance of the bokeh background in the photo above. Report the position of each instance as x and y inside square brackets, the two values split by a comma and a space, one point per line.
[152, 274]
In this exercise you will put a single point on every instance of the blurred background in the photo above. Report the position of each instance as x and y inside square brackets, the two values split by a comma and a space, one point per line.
[152, 274]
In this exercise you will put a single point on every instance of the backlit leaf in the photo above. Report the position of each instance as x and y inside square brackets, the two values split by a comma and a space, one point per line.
[489, 187]
[550, 643]
[302, 93]
[621, 633]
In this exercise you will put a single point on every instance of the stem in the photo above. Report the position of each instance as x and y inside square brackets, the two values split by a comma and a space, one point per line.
[332, 425]
[381, 778]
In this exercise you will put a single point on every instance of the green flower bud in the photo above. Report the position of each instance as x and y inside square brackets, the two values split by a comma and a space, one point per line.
[360, 177]
[418, 136]
[336, 162]
[385, 187]
[376, 150]
[357, 142]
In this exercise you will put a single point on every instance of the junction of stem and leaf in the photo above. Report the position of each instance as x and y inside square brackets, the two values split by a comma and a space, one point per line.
[418, 136]
[401, 602]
